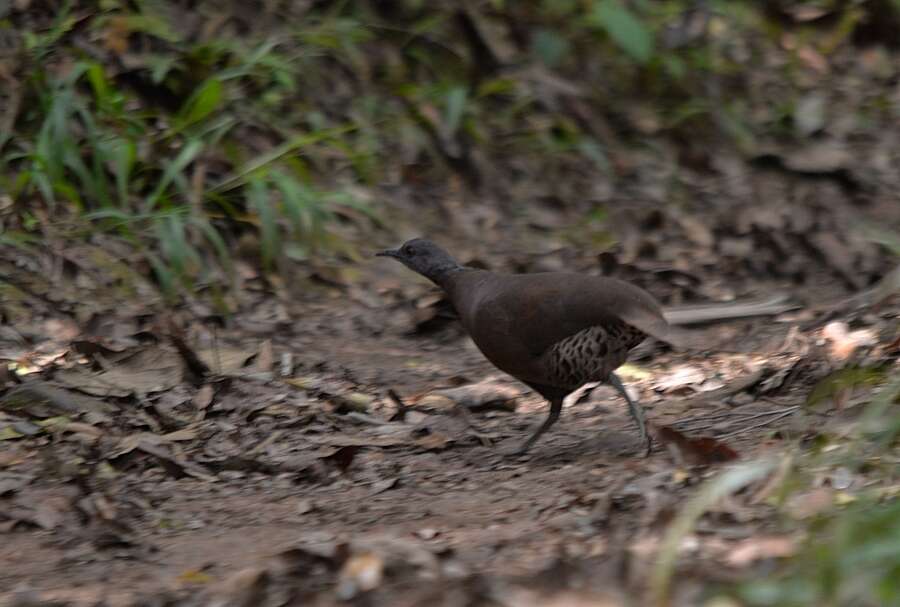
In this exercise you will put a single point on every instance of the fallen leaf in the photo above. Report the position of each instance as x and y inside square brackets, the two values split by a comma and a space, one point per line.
[383, 485]
[242, 589]
[844, 342]
[40, 399]
[149, 370]
[481, 396]
[361, 573]
[203, 397]
[427, 533]
[819, 158]
[193, 576]
[342, 457]
[50, 512]
[810, 503]
[754, 549]
[129, 443]
[11, 483]
[304, 506]
[342, 440]
[685, 377]
[353, 401]
[226, 360]
[265, 358]
[696, 451]
[175, 466]
[433, 441]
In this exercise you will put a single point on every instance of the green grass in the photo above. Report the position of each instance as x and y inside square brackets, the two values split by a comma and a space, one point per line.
[851, 555]
[184, 140]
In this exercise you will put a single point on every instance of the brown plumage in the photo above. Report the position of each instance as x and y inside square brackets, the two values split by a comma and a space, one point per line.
[554, 331]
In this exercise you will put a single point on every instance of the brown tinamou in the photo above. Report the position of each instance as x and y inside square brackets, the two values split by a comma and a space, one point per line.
[554, 331]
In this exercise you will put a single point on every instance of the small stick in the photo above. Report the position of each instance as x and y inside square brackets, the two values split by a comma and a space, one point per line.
[761, 424]
[400, 414]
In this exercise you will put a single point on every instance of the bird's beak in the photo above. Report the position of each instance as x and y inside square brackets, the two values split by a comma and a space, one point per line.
[388, 253]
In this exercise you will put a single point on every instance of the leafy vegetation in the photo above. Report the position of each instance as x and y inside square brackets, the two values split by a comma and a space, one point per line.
[185, 129]
[852, 553]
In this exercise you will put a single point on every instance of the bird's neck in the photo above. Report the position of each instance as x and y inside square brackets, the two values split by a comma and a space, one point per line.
[459, 281]
[443, 276]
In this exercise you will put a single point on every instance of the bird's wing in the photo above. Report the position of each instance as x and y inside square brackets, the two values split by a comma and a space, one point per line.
[542, 309]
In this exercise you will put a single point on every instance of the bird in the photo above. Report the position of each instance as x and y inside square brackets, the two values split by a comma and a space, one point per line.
[553, 331]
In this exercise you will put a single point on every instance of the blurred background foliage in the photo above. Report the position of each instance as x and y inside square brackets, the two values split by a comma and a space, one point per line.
[195, 135]
[196, 131]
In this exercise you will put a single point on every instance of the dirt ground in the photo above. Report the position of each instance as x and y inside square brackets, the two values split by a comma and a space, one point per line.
[284, 471]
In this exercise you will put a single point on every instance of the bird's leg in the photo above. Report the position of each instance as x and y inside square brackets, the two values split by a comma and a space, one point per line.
[637, 412]
[555, 409]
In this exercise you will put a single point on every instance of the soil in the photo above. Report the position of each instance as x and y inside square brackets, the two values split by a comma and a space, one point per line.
[287, 473]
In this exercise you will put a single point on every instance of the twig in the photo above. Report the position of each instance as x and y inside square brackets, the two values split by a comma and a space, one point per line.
[708, 421]
[366, 419]
[400, 414]
[703, 313]
[725, 415]
[782, 414]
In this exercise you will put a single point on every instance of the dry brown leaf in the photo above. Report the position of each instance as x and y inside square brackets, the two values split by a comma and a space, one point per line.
[40, 399]
[843, 342]
[51, 512]
[149, 370]
[131, 442]
[265, 359]
[361, 573]
[488, 394]
[701, 450]
[684, 377]
[811, 503]
[754, 549]
[342, 440]
[434, 441]
[203, 397]
[384, 485]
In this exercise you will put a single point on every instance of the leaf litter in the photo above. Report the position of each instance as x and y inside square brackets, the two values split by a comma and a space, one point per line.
[272, 459]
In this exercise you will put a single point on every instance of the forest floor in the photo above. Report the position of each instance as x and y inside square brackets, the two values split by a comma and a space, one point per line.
[157, 458]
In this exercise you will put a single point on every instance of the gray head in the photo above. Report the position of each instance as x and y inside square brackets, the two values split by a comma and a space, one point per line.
[426, 258]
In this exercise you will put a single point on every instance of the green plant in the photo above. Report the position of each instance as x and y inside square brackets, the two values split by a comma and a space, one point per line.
[852, 554]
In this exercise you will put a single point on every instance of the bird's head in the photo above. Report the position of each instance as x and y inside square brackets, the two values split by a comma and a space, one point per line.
[425, 257]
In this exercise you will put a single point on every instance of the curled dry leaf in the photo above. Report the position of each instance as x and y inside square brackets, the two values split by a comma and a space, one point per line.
[700, 451]
[683, 378]
[342, 457]
[481, 396]
[384, 485]
[433, 441]
[131, 442]
[843, 342]
[361, 573]
[226, 360]
[352, 401]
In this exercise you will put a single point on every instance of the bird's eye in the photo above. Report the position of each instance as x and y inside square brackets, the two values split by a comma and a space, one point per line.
[409, 251]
